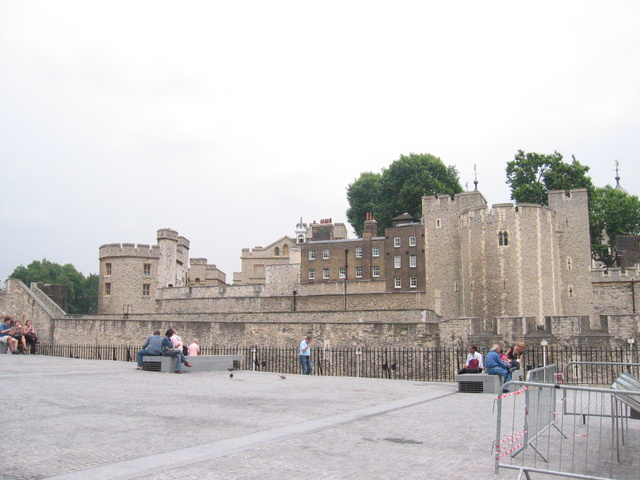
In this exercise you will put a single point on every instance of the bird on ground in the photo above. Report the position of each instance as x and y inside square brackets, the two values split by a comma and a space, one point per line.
[282, 377]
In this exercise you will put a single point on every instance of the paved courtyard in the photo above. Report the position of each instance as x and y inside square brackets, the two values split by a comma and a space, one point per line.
[88, 419]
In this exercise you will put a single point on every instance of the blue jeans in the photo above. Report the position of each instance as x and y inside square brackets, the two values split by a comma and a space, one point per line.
[502, 371]
[142, 353]
[305, 363]
[177, 354]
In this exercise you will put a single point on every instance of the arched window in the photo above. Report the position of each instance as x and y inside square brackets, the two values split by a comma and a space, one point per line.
[285, 251]
[277, 251]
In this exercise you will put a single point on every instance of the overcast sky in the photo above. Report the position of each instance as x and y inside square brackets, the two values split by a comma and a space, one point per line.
[229, 121]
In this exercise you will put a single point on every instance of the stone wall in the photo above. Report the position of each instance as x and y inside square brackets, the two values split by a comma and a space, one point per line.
[22, 304]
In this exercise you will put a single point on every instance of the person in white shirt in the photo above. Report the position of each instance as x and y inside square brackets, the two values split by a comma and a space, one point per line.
[474, 361]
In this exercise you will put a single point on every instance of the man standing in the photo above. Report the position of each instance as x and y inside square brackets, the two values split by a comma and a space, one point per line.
[305, 356]
[153, 346]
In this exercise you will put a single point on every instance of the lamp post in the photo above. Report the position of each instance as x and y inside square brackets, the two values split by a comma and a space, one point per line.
[631, 341]
[358, 357]
[294, 299]
[346, 265]
[544, 344]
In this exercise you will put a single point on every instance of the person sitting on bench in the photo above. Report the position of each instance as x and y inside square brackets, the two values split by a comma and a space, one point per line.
[474, 361]
[168, 350]
[153, 346]
[495, 366]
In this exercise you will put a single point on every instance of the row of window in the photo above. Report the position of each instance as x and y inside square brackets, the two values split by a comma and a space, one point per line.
[375, 251]
[146, 289]
[146, 269]
[413, 281]
[375, 271]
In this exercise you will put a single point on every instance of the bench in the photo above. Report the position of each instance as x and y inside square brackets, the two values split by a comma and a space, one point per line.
[3, 348]
[629, 383]
[201, 363]
[483, 382]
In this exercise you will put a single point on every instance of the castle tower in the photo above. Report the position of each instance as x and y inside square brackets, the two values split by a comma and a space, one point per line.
[443, 265]
[174, 259]
[127, 278]
[574, 247]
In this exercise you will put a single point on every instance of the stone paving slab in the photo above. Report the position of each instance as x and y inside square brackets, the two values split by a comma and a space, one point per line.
[90, 419]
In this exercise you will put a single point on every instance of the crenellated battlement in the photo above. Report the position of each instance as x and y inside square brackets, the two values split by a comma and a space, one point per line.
[198, 261]
[502, 213]
[129, 250]
[614, 275]
[167, 234]
[183, 242]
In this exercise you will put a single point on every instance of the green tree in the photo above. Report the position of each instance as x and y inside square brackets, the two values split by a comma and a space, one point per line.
[399, 189]
[363, 196]
[612, 212]
[532, 175]
[82, 294]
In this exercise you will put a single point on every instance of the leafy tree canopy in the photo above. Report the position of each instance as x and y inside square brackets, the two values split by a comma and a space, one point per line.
[532, 175]
[399, 189]
[612, 212]
[83, 292]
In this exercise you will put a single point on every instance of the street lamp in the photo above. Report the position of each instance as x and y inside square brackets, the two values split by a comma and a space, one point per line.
[544, 344]
[346, 253]
[631, 341]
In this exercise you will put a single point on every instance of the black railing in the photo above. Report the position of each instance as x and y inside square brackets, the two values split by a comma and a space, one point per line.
[418, 364]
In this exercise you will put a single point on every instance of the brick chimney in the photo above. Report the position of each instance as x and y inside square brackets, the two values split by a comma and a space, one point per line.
[370, 227]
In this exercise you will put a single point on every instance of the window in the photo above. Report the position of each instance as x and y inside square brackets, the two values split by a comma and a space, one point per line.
[358, 252]
[397, 282]
[413, 261]
[312, 274]
[503, 239]
[146, 289]
[325, 254]
[438, 223]
[147, 269]
[413, 282]
[325, 273]
[397, 261]
[312, 254]
[107, 289]
[277, 252]
[396, 242]
[376, 251]
[342, 272]
[358, 272]
[107, 269]
[375, 272]
[412, 241]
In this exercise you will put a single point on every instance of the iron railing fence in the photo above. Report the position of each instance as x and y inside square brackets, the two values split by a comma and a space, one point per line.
[419, 364]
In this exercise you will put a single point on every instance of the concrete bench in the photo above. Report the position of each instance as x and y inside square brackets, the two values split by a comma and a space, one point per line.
[201, 363]
[629, 383]
[3, 348]
[483, 382]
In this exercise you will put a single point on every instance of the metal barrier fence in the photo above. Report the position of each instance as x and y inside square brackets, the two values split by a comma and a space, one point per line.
[419, 364]
[597, 372]
[585, 432]
[599, 442]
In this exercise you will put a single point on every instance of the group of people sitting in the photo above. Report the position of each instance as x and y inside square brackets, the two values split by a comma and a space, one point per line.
[19, 338]
[168, 346]
[496, 362]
